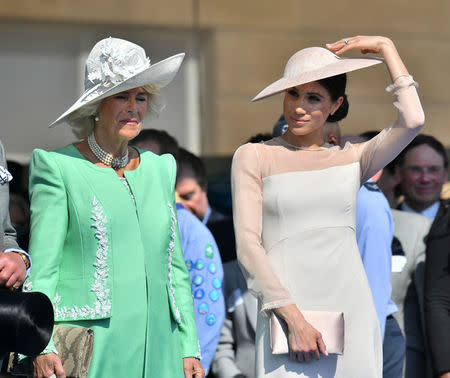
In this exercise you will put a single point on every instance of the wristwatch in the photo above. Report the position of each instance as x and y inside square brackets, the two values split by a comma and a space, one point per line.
[25, 259]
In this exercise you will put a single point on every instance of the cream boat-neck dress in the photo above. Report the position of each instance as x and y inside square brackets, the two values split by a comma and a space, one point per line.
[294, 214]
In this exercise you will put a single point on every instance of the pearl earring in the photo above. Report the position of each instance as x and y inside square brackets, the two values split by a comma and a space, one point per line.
[96, 119]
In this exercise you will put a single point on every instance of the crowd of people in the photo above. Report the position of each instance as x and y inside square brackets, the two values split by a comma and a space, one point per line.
[120, 234]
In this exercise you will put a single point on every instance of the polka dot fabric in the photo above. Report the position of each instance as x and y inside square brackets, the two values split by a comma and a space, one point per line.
[203, 262]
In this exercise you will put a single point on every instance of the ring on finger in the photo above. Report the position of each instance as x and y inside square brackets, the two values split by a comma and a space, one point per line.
[346, 41]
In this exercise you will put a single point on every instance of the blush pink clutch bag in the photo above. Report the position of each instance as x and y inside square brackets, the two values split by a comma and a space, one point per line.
[329, 323]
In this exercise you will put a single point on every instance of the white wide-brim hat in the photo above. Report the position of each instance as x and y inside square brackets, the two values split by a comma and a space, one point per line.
[311, 64]
[115, 65]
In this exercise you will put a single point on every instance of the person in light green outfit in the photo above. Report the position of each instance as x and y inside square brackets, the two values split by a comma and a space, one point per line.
[104, 236]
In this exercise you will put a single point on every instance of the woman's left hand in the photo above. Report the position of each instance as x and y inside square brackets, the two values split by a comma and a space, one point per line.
[193, 368]
[367, 44]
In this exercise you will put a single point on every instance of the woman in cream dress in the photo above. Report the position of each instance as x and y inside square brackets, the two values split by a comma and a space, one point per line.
[294, 202]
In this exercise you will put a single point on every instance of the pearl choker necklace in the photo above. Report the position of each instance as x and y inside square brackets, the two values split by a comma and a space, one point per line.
[105, 157]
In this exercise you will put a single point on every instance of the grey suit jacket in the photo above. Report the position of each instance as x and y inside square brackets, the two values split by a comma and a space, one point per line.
[7, 232]
[408, 287]
[235, 352]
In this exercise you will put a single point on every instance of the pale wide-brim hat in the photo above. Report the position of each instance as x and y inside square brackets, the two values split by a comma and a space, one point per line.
[115, 65]
[311, 64]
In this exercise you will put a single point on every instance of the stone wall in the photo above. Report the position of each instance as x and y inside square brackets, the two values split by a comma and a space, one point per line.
[244, 44]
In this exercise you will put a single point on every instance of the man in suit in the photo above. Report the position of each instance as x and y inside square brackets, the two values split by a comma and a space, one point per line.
[437, 292]
[422, 170]
[14, 262]
[408, 271]
[235, 354]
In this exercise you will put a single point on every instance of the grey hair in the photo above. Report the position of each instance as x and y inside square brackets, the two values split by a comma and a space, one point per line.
[82, 120]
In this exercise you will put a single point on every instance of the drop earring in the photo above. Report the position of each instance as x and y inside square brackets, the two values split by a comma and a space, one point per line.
[96, 118]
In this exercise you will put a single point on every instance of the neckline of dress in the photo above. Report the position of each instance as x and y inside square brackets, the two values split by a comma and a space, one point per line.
[324, 146]
[106, 169]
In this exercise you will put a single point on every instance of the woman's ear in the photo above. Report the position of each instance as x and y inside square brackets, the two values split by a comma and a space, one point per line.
[337, 104]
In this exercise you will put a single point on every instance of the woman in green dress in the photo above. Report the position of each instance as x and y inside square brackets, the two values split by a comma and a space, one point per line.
[104, 235]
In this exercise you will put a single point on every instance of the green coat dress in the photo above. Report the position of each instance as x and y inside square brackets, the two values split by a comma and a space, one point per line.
[111, 260]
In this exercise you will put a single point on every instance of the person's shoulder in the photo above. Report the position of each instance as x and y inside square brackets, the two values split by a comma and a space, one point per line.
[146, 155]
[252, 152]
[372, 187]
[406, 217]
[247, 149]
[187, 216]
[197, 231]
[445, 204]
[154, 161]
[370, 192]
[60, 154]
[371, 202]
[441, 223]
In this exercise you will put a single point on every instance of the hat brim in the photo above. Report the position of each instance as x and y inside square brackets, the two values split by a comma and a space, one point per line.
[26, 321]
[341, 66]
[161, 73]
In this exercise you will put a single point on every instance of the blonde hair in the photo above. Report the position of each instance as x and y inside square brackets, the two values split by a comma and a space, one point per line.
[82, 120]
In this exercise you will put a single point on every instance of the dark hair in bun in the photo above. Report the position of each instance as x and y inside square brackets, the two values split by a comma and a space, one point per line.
[335, 86]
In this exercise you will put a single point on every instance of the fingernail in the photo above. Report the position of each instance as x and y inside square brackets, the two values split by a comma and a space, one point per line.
[328, 44]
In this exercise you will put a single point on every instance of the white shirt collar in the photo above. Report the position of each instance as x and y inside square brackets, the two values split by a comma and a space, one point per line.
[429, 212]
[207, 214]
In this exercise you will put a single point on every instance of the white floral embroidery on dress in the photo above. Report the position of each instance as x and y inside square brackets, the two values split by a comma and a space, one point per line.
[5, 176]
[49, 349]
[171, 247]
[99, 287]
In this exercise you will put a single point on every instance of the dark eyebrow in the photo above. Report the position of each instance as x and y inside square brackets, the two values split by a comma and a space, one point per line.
[315, 94]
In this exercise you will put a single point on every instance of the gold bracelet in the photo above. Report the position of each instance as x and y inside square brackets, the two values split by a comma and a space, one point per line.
[25, 259]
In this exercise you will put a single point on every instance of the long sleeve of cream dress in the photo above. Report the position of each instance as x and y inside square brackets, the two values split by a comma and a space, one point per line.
[294, 213]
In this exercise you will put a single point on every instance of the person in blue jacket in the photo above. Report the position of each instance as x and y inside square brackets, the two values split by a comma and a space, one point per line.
[205, 268]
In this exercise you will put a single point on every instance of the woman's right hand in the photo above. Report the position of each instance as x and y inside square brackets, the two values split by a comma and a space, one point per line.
[305, 342]
[45, 365]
